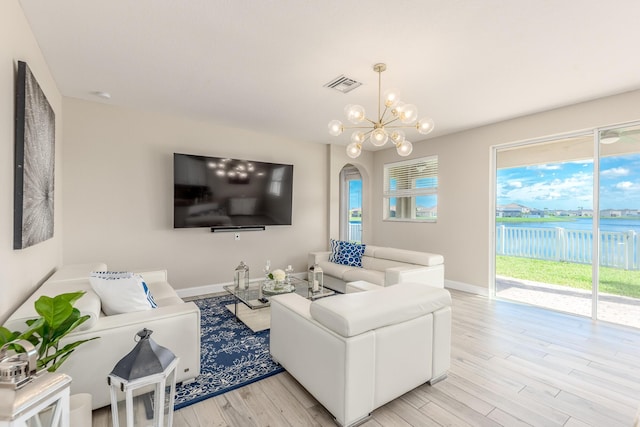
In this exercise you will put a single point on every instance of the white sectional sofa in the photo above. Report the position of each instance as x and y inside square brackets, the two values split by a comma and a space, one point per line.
[382, 266]
[175, 325]
[357, 351]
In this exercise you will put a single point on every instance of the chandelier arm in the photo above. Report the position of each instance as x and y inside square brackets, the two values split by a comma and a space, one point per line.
[394, 120]
[381, 118]
[399, 127]
[357, 127]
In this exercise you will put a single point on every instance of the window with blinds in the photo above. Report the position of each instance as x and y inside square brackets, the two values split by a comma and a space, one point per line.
[411, 190]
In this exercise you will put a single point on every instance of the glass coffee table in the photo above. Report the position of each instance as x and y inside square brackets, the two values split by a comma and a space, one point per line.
[256, 298]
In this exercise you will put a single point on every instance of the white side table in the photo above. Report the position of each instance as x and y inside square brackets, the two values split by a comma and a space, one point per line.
[159, 381]
[42, 402]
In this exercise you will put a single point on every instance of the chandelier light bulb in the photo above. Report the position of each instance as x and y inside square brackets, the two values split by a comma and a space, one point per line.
[391, 98]
[335, 127]
[355, 113]
[379, 137]
[397, 136]
[404, 148]
[425, 125]
[357, 137]
[408, 113]
[354, 149]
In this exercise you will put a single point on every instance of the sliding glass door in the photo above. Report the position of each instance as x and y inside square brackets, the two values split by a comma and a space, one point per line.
[619, 272]
[567, 224]
[544, 211]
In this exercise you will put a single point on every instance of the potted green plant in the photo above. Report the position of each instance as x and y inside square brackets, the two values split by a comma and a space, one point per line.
[58, 318]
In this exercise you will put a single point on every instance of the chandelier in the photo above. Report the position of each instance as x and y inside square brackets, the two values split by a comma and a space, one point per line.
[386, 127]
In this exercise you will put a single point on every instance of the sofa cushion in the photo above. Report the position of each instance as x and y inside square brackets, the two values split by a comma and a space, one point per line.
[163, 294]
[371, 276]
[335, 270]
[121, 292]
[409, 257]
[381, 264]
[353, 314]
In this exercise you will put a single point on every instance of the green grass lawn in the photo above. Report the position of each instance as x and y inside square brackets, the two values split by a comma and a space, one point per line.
[612, 280]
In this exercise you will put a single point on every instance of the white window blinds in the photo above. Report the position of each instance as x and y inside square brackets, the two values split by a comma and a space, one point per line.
[411, 178]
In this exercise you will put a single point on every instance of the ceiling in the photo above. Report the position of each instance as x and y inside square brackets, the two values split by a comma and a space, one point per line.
[262, 64]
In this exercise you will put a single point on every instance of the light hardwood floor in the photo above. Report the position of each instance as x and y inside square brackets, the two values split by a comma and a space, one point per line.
[511, 365]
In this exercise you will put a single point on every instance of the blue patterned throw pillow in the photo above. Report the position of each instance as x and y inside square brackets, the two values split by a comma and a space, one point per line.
[335, 250]
[351, 254]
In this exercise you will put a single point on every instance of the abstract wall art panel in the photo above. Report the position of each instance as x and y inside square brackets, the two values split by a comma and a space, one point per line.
[34, 162]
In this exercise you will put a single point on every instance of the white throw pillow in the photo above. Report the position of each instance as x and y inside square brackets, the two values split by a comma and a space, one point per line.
[121, 292]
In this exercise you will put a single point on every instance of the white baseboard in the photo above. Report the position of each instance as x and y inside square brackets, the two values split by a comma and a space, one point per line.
[466, 287]
[200, 290]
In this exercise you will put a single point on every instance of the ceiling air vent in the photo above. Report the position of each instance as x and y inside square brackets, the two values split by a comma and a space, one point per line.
[343, 84]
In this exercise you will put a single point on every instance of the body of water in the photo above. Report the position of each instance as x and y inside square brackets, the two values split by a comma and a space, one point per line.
[606, 224]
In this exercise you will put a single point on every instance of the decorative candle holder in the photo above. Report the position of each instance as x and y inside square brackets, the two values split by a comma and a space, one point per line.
[241, 276]
[315, 279]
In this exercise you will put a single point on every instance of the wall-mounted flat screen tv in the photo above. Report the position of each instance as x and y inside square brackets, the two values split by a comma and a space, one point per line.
[220, 192]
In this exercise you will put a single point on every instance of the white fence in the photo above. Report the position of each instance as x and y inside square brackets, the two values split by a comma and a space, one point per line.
[617, 249]
[355, 232]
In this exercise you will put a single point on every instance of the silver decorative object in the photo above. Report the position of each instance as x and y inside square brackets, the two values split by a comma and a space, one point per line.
[241, 276]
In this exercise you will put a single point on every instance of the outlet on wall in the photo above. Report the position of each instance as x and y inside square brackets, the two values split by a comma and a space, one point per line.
[237, 236]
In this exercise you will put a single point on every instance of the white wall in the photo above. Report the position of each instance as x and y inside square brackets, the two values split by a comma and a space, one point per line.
[119, 195]
[463, 230]
[21, 271]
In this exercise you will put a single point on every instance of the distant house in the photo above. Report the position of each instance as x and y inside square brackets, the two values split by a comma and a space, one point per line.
[611, 213]
[617, 213]
[512, 210]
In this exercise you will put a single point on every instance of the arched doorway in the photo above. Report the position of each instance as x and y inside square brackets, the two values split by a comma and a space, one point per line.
[350, 204]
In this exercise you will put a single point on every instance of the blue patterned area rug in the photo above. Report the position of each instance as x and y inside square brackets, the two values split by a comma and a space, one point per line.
[231, 355]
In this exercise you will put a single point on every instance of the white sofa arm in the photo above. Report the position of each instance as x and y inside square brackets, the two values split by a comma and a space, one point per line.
[153, 276]
[431, 276]
[317, 257]
[176, 327]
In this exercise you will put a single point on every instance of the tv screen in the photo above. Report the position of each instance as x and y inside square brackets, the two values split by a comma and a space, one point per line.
[220, 192]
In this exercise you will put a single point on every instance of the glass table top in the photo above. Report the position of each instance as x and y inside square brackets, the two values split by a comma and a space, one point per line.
[258, 294]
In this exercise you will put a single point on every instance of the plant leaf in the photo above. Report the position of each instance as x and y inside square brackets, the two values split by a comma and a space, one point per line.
[7, 336]
[54, 310]
[70, 324]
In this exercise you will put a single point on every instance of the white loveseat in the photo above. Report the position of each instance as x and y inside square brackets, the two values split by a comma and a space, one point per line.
[175, 325]
[382, 266]
[357, 351]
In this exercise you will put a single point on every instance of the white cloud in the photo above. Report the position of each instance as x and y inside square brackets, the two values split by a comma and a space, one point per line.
[613, 172]
[514, 183]
[625, 185]
[578, 186]
[547, 167]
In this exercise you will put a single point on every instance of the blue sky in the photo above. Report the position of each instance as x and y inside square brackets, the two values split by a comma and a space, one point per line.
[570, 185]
[355, 194]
